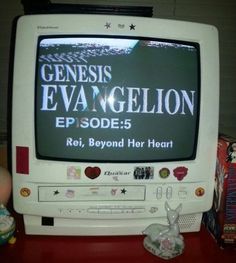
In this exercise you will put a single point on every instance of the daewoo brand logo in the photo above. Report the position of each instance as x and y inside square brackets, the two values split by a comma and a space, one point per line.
[47, 27]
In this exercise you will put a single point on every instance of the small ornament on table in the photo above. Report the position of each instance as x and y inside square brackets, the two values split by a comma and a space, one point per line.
[7, 226]
[7, 222]
[165, 241]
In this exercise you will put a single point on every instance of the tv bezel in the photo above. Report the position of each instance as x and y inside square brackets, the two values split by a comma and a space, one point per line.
[182, 42]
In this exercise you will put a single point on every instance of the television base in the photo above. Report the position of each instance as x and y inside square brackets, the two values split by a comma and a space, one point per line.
[38, 225]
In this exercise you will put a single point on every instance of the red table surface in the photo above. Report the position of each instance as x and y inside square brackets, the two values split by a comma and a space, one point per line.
[199, 247]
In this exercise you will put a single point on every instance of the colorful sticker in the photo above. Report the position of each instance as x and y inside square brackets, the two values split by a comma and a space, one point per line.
[73, 172]
[180, 172]
[92, 172]
[143, 172]
[70, 193]
[114, 191]
[164, 173]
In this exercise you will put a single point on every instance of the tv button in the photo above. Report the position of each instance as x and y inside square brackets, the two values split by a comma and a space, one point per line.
[138, 210]
[199, 191]
[128, 211]
[182, 194]
[116, 211]
[93, 210]
[168, 192]
[159, 193]
[104, 211]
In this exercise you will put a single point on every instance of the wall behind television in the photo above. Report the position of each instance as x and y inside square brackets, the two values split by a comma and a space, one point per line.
[221, 13]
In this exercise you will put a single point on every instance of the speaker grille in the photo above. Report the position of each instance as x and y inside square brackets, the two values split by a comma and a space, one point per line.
[190, 222]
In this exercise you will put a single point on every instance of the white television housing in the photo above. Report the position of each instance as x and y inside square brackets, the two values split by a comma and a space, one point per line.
[97, 98]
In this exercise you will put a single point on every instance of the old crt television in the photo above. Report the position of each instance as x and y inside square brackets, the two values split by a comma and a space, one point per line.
[112, 117]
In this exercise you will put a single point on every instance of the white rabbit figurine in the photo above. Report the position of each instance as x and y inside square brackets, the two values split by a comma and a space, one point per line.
[165, 241]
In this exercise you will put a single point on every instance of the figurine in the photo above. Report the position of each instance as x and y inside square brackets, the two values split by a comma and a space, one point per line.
[7, 226]
[5, 186]
[165, 241]
[7, 222]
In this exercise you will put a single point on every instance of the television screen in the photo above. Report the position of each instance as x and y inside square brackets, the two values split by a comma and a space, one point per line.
[109, 99]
